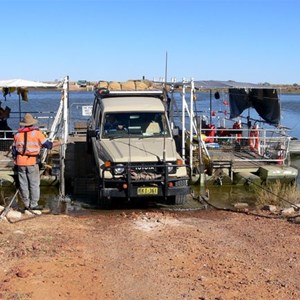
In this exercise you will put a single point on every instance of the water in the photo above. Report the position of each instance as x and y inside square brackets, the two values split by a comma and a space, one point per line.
[290, 107]
[48, 197]
[46, 101]
[228, 195]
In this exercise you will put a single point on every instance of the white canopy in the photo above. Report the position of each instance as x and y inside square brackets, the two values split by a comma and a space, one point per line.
[25, 84]
[21, 83]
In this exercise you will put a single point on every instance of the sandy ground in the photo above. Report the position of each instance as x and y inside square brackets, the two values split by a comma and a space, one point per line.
[150, 254]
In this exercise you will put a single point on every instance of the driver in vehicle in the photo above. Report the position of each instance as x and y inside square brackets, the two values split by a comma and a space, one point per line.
[111, 123]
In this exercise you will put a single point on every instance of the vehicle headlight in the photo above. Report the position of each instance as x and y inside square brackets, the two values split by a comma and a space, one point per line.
[119, 169]
[171, 168]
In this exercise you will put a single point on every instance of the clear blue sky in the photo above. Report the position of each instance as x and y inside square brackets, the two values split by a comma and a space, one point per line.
[242, 40]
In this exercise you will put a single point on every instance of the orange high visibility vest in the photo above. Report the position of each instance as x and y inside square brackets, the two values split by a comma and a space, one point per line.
[27, 152]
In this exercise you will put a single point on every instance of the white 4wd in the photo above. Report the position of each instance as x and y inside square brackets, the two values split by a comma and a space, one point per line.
[133, 147]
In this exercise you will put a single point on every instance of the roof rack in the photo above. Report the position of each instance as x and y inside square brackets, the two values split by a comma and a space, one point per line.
[106, 93]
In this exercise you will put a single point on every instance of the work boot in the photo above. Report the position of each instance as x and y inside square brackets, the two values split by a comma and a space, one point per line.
[22, 209]
[38, 207]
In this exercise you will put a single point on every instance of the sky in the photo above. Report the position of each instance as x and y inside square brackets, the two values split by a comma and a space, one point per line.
[117, 40]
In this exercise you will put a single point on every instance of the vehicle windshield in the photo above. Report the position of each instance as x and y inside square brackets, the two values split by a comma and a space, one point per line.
[137, 124]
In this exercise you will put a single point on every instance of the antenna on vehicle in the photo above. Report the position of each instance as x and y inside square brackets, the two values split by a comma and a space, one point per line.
[164, 100]
[129, 143]
[164, 140]
[166, 68]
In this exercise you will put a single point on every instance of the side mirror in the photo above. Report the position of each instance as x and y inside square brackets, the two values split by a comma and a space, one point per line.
[94, 133]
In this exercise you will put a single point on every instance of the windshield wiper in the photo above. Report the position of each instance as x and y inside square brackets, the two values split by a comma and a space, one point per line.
[118, 136]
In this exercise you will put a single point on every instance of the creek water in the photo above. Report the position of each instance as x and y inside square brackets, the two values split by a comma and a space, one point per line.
[220, 195]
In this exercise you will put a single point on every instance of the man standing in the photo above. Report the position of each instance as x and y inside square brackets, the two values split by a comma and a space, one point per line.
[27, 144]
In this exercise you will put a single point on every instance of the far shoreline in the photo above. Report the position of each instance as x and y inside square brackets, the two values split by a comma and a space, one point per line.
[285, 89]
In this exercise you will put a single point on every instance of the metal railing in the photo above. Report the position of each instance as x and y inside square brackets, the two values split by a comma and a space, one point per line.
[269, 146]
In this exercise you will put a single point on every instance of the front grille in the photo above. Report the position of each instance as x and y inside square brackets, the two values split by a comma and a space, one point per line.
[144, 175]
[146, 171]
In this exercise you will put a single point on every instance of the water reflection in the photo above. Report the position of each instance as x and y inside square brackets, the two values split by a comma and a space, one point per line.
[226, 196]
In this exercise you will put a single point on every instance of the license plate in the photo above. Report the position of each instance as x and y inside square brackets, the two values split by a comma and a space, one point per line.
[147, 191]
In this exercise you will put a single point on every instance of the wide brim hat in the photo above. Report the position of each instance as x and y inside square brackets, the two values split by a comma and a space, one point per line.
[28, 120]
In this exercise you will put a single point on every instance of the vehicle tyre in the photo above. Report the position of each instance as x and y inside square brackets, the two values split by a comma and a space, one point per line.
[180, 199]
[176, 200]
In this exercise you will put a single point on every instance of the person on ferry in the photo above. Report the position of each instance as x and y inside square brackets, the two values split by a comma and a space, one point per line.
[26, 147]
[254, 141]
[4, 115]
[238, 125]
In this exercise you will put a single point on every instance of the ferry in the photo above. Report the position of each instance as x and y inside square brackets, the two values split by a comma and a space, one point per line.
[242, 143]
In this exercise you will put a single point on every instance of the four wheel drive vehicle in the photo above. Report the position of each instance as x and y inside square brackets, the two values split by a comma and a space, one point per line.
[133, 147]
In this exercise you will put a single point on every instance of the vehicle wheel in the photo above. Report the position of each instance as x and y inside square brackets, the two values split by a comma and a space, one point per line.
[104, 202]
[180, 199]
[176, 200]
